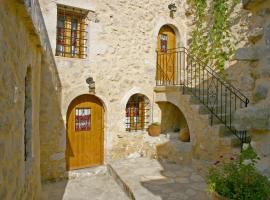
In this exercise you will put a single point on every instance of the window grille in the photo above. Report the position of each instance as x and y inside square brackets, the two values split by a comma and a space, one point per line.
[163, 43]
[82, 119]
[71, 32]
[137, 113]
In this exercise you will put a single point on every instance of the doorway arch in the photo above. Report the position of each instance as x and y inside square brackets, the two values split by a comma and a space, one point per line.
[85, 132]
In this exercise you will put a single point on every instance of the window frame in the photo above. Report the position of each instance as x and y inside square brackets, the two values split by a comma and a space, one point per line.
[71, 42]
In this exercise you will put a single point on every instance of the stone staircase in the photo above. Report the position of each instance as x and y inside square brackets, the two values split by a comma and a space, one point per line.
[209, 137]
[207, 101]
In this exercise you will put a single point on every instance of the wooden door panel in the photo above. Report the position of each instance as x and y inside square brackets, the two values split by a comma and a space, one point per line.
[166, 59]
[85, 145]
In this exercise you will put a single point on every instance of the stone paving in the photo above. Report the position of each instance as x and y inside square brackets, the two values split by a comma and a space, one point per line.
[153, 180]
[137, 178]
[96, 187]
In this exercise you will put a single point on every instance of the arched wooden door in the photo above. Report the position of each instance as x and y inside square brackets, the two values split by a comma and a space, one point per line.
[85, 134]
[166, 44]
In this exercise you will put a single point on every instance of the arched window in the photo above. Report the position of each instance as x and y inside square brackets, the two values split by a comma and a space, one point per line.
[137, 112]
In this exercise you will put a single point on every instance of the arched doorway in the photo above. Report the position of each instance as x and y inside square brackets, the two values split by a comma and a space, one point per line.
[85, 132]
[166, 44]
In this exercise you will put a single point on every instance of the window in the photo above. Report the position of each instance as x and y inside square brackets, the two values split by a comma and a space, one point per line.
[137, 112]
[71, 32]
[163, 42]
[82, 119]
[28, 115]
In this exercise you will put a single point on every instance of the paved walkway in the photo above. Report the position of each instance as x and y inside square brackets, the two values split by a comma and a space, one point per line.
[153, 180]
[140, 179]
[98, 187]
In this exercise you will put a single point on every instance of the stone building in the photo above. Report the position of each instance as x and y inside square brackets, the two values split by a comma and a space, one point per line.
[81, 81]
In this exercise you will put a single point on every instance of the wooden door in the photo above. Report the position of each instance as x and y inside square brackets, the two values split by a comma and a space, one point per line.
[85, 132]
[166, 54]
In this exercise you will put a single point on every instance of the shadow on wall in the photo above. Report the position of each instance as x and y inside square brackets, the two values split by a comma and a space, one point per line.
[172, 119]
[52, 126]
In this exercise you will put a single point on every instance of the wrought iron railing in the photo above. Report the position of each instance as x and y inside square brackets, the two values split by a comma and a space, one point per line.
[222, 99]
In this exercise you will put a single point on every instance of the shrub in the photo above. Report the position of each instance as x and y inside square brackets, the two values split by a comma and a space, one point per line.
[236, 178]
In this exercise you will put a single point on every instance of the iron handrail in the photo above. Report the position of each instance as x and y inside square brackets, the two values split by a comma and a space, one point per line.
[193, 74]
[229, 85]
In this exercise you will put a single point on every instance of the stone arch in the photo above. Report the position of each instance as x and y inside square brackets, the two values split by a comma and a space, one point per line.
[180, 36]
[184, 110]
[76, 93]
[172, 118]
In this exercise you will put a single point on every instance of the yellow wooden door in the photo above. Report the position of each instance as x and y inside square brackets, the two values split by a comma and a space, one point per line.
[166, 54]
[85, 133]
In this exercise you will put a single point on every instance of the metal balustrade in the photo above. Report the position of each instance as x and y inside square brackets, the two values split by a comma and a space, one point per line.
[177, 67]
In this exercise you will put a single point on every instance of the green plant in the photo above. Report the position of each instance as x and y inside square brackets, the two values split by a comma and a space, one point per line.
[155, 124]
[211, 37]
[236, 178]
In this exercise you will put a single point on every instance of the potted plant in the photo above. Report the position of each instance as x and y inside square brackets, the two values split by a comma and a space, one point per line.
[154, 129]
[237, 178]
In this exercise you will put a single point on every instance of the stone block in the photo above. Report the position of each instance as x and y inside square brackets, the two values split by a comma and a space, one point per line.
[255, 34]
[248, 54]
[253, 117]
[261, 92]
[264, 12]
[263, 67]
[57, 156]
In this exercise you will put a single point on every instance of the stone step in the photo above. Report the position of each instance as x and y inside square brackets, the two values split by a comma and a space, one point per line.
[124, 186]
[224, 131]
[207, 100]
[232, 141]
[217, 107]
[87, 172]
[216, 120]
[205, 92]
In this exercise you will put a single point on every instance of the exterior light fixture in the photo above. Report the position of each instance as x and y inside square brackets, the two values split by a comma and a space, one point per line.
[91, 84]
[172, 7]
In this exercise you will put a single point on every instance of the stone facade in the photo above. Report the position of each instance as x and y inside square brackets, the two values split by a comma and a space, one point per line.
[255, 62]
[122, 39]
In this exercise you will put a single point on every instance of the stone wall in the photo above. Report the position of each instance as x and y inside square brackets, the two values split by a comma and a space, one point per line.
[52, 127]
[122, 39]
[24, 47]
[19, 179]
[172, 119]
[255, 61]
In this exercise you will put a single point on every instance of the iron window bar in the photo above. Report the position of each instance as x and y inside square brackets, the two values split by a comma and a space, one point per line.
[71, 32]
[137, 113]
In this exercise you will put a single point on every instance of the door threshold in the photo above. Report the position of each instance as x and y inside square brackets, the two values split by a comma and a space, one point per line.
[86, 172]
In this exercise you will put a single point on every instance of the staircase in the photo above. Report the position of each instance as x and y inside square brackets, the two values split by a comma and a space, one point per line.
[215, 97]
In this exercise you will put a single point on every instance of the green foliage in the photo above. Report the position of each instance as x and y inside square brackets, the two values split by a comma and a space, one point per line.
[237, 179]
[211, 36]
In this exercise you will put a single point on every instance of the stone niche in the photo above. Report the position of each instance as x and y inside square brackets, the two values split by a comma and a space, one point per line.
[172, 119]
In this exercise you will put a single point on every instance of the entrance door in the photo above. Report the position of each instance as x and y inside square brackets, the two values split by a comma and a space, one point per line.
[166, 54]
[85, 132]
